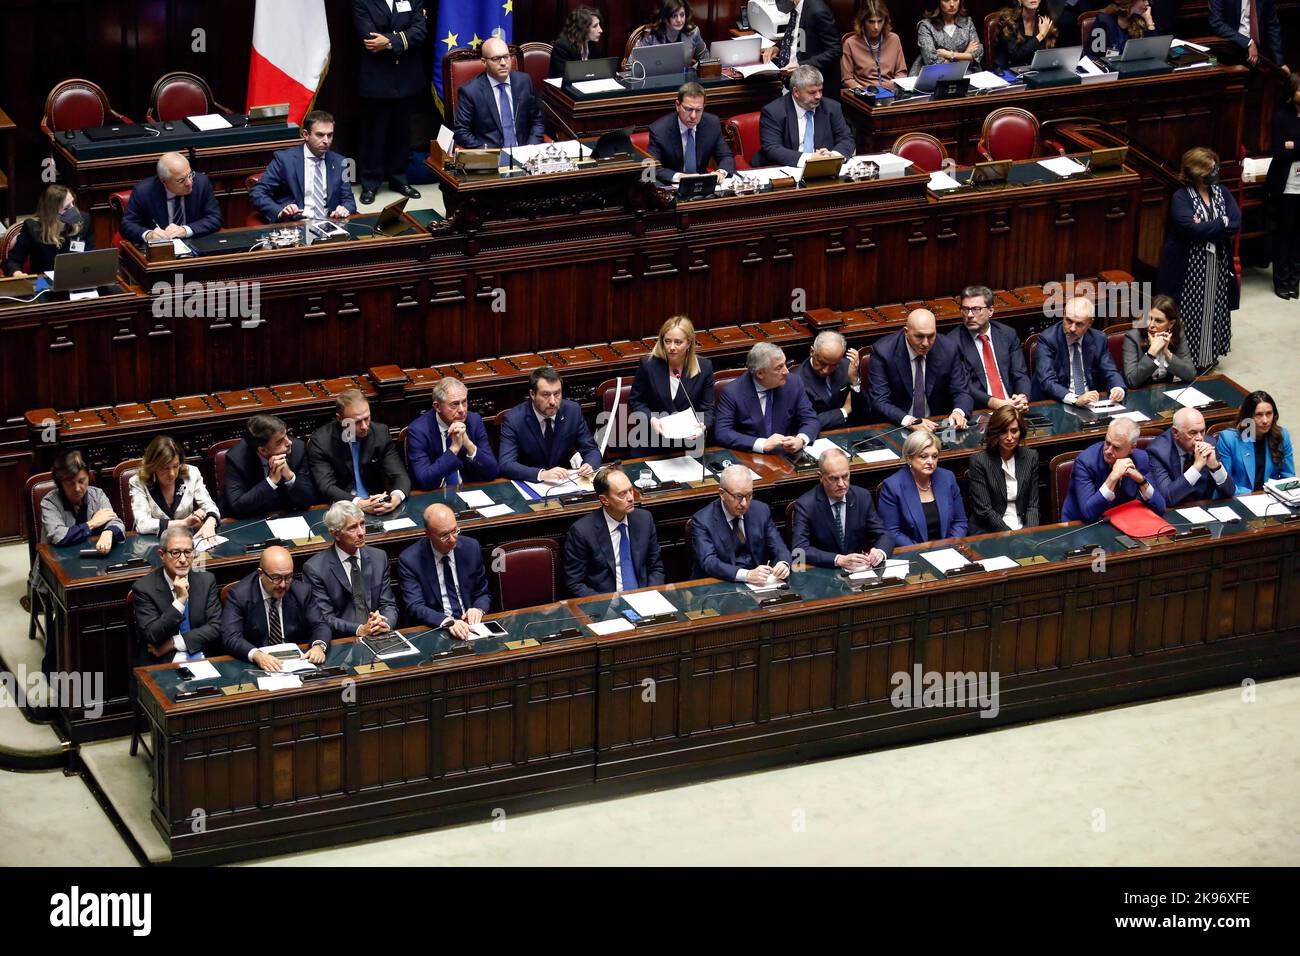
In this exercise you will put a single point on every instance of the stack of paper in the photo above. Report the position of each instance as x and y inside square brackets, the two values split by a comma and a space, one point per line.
[986, 80]
[475, 498]
[681, 470]
[599, 86]
[1188, 396]
[757, 69]
[1062, 166]
[942, 180]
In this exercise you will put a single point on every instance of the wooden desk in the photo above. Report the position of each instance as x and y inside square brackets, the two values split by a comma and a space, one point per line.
[600, 113]
[726, 685]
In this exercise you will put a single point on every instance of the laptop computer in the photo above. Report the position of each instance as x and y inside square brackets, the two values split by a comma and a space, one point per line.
[936, 73]
[745, 51]
[1057, 67]
[662, 59]
[1145, 56]
[100, 134]
[74, 271]
[576, 71]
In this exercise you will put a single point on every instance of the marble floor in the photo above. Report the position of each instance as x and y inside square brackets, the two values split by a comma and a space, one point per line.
[1204, 779]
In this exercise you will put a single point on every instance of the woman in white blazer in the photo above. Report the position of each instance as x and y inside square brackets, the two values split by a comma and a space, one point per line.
[167, 492]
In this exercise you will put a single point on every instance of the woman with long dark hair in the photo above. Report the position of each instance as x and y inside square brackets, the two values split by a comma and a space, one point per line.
[578, 40]
[1156, 351]
[674, 24]
[1258, 448]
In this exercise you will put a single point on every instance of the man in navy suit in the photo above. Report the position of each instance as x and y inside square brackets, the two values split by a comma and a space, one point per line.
[1186, 467]
[1262, 36]
[177, 203]
[392, 74]
[309, 181]
[832, 382]
[355, 459]
[448, 444]
[615, 548]
[685, 141]
[540, 435]
[734, 538]
[916, 373]
[1073, 363]
[349, 582]
[1111, 473]
[762, 411]
[783, 127]
[835, 524]
[177, 608]
[442, 578]
[267, 472]
[991, 353]
[497, 108]
[269, 607]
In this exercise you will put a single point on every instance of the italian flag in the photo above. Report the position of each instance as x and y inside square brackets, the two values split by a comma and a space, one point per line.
[291, 52]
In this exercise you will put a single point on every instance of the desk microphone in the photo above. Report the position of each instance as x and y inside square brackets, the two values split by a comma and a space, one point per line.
[704, 474]
[1211, 404]
[1065, 534]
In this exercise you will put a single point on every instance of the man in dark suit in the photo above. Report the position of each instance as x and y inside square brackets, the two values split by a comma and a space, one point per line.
[762, 411]
[835, 524]
[783, 127]
[269, 607]
[442, 578]
[392, 73]
[1073, 363]
[733, 538]
[1186, 467]
[1110, 473]
[615, 548]
[832, 382]
[177, 608]
[685, 141]
[310, 180]
[991, 353]
[177, 203]
[267, 472]
[916, 373]
[1257, 36]
[448, 444]
[355, 459]
[811, 38]
[540, 435]
[349, 582]
[497, 108]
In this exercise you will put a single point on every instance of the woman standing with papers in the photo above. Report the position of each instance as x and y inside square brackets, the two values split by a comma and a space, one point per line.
[671, 379]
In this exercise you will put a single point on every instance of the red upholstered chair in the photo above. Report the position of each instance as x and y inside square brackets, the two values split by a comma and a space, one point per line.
[537, 62]
[1115, 342]
[746, 143]
[254, 218]
[225, 591]
[635, 35]
[216, 454]
[731, 133]
[463, 64]
[990, 37]
[721, 378]
[1061, 470]
[605, 400]
[178, 95]
[11, 236]
[1009, 133]
[121, 485]
[1144, 440]
[1215, 429]
[528, 574]
[1087, 20]
[1031, 352]
[117, 203]
[38, 486]
[76, 104]
[921, 149]
[641, 140]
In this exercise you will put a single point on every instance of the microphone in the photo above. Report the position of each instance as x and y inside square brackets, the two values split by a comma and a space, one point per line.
[565, 126]
[1210, 405]
[876, 439]
[1066, 534]
[703, 447]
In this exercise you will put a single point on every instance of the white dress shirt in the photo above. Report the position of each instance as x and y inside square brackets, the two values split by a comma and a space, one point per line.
[1011, 516]
[447, 620]
[762, 407]
[1244, 26]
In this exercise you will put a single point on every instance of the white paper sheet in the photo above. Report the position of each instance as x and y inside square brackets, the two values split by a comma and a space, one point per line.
[942, 180]
[880, 454]
[209, 121]
[203, 670]
[479, 631]
[1259, 505]
[649, 603]
[756, 68]
[682, 469]
[609, 85]
[279, 682]
[772, 583]
[907, 83]
[986, 80]
[475, 498]
[557, 489]
[896, 569]
[293, 667]
[1062, 166]
[945, 559]
[1188, 396]
[84, 294]
[1224, 513]
[999, 563]
[1196, 515]
[820, 446]
[207, 544]
[397, 524]
[447, 140]
[1188, 43]
[612, 626]
[556, 81]
[1105, 406]
[496, 511]
[288, 529]
[1134, 416]
[679, 427]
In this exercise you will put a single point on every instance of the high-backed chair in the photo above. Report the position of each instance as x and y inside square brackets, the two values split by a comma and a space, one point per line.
[990, 37]
[1009, 133]
[462, 65]
[746, 142]
[635, 35]
[1087, 20]
[216, 455]
[1060, 471]
[122, 476]
[11, 236]
[224, 593]
[922, 150]
[178, 95]
[731, 133]
[641, 140]
[38, 486]
[117, 203]
[528, 573]
[1115, 342]
[606, 400]
[1031, 353]
[721, 378]
[76, 104]
[537, 62]
[1214, 430]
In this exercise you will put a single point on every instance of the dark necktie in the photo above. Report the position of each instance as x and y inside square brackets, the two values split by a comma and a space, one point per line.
[358, 588]
[1078, 380]
[178, 210]
[787, 42]
[766, 399]
[454, 607]
[548, 437]
[318, 190]
[838, 508]
[918, 387]
[507, 117]
[274, 623]
[688, 157]
[626, 567]
[360, 486]
[743, 556]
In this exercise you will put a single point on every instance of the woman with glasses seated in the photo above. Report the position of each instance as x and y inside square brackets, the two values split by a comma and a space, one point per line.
[920, 502]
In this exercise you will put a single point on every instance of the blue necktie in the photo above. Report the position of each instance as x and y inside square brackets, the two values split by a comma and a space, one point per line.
[507, 118]
[808, 132]
[356, 471]
[689, 153]
[625, 559]
[452, 479]
[1078, 381]
[185, 618]
[454, 607]
[767, 415]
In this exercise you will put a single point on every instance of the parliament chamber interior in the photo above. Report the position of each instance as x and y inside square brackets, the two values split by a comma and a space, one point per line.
[650, 423]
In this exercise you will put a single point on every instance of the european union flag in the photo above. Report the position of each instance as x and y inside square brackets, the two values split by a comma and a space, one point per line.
[467, 23]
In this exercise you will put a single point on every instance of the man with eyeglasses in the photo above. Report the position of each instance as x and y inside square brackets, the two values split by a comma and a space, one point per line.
[268, 607]
[497, 108]
[687, 140]
[835, 523]
[833, 383]
[733, 538]
[991, 353]
[762, 411]
[177, 608]
[177, 203]
[442, 578]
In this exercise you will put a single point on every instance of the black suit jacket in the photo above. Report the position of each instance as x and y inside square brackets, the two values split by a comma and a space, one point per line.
[32, 256]
[243, 620]
[1010, 357]
[1286, 128]
[562, 51]
[157, 620]
[148, 209]
[589, 556]
[651, 391]
[778, 132]
[829, 406]
[478, 117]
[331, 589]
[399, 70]
[988, 490]
[1225, 19]
[248, 495]
[331, 463]
[710, 144]
[821, 44]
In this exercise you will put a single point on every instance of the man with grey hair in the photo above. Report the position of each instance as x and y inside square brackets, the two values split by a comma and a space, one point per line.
[448, 444]
[1186, 467]
[991, 353]
[832, 383]
[763, 412]
[1072, 363]
[177, 608]
[1111, 473]
[734, 538]
[802, 124]
[349, 582]
[177, 203]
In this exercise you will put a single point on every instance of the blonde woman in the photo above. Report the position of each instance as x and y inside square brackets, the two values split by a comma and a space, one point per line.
[673, 378]
[57, 227]
[921, 502]
[167, 493]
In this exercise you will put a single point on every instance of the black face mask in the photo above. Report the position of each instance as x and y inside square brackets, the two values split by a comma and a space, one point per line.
[1212, 177]
[71, 216]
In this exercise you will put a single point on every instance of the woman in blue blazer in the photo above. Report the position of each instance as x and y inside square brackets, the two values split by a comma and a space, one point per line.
[920, 502]
[1253, 460]
[671, 379]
